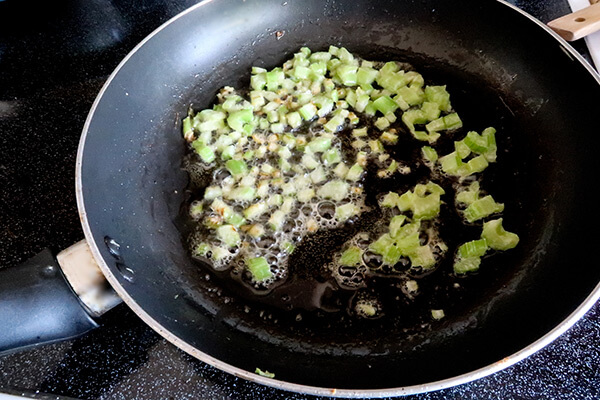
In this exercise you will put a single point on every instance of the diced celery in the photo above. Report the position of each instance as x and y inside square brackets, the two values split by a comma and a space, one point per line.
[259, 268]
[276, 220]
[391, 199]
[336, 190]
[238, 119]
[385, 104]
[497, 237]
[474, 248]
[308, 111]
[382, 123]
[237, 168]
[309, 161]
[255, 210]
[396, 224]
[439, 95]
[429, 154]
[319, 144]
[331, 156]
[481, 208]
[351, 257]
[228, 235]
[422, 257]
[366, 76]
[205, 152]
[345, 211]
[464, 265]
[201, 250]
[437, 314]
[347, 74]
[305, 195]
[354, 173]
[411, 95]
[294, 119]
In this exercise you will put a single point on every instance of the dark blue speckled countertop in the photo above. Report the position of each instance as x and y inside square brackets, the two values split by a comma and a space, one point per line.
[54, 58]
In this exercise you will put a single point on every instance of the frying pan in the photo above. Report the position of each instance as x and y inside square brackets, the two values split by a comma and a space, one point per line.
[502, 69]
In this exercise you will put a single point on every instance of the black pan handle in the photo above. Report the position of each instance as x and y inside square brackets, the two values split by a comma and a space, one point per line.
[38, 305]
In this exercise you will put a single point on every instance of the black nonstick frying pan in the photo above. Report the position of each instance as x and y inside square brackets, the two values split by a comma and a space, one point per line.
[502, 69]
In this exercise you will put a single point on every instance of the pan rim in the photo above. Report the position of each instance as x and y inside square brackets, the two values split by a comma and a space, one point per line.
[495, 367]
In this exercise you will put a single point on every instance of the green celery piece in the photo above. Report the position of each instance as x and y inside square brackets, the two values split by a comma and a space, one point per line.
[354, 173]
[336, 190]
[422, 257]
[347, 74]
[308, 111]
[188, 129]
[476, 164]
[464, 265]
[236, 220]
[476, 142]
[294, 119]
[258, 81]
[451, 163]
[408, 243]
[238, 119]
[345, 211]
[452, 121]
[259, 268]
[391, 80]
[439, 95]
[331, 156]
[497, 237]
[274, 79]
[391, 199]
[318, 68]
[474, 248]
[429, 154]
[237, 167]
[229, 235]
[366, 76]
[413, 96]
[219, 253]
[381, 245]
[255, 210]
[490, 135]
[396, 224]
[385, 104]
[201, 249]
[462, 149]
[319, 144]
[481, 208]
[351, 257]
[276, 220]
[392, 255]
[242, 193]
[205, 152]
[431, 110]
[469, 195]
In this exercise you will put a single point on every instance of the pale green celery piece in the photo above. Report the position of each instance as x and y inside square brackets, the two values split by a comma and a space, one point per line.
[464, 265]
[305, 195]
[341, 170]
[276, 220]
[462, 149]
[469, 195]
[474, 248]
[429, 154]
[497, 237]
[288, 205]
[255, 210]
[294, 119]
[259, 268]
[395, 224]
[242, 193]
[218, 253]
[205, 152]
[482, 208]
[319, 144]
[345, 211]
[201, 250]
[354, 173]
[336, 190]
[309, 161]
[318, 175]
[388, 137]
[437, 314]
[351, 257]
[382, 123]
[228, 235]
[212, 192]
[275, 200]
[331, 156]
[412, 95]
[391, 199]
[439, 95]
[422, 257]
[196, 209]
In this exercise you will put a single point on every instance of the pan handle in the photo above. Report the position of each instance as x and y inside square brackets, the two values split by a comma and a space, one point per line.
[578, 24]
[48, 299]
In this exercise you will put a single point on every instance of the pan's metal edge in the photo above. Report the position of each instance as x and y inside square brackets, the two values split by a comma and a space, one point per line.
[298, 388]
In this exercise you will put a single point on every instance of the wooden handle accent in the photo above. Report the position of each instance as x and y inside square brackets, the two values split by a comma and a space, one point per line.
[578, 24]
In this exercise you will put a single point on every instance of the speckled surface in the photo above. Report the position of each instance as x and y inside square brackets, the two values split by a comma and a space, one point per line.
[53, 60]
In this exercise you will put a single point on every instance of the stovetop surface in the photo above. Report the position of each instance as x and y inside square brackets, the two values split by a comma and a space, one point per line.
[54, 58]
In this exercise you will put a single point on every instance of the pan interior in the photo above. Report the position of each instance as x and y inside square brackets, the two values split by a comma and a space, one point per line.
[514, 79]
